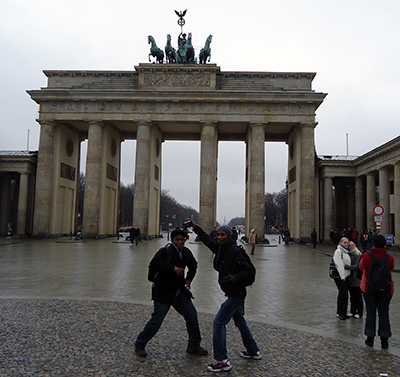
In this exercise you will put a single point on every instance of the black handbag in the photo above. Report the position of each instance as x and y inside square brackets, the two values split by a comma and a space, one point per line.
[333, 272]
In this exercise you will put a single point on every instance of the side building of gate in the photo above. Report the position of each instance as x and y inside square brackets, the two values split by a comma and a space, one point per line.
[158, 102]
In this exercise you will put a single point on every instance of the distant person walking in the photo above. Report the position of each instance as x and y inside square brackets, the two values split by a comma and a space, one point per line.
[286, 235]
[314, 238]
[235, 235]
[253, 240]
[375, 301]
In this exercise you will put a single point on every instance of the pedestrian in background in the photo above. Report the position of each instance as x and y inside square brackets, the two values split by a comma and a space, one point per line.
[376, 301]
[341, 258]
[253, 240]
[314, 238]
[356, 300]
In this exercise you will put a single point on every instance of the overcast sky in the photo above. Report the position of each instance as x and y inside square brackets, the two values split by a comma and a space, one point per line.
[352, 45]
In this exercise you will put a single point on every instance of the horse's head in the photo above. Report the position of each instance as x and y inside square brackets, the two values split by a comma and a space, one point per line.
[190, 37]
[150, 39]
[168, 37]
[209, 38]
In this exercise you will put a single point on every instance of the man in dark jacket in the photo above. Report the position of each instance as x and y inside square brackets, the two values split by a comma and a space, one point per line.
[233, 270]
[171, 288]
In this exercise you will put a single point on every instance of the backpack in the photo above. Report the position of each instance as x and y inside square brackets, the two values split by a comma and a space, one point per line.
[153, 273]
[252, 275]
[379, 276]
[365, 236]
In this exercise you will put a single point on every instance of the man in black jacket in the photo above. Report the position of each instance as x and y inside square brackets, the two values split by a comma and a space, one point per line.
[233, 271]
[171, 288]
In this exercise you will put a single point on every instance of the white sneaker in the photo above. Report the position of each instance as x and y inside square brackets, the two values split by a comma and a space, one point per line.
[349, 315]
[246, 355]
[357, 316]
[220, 366]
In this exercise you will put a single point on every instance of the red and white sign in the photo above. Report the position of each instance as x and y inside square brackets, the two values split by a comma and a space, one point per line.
[378, 210]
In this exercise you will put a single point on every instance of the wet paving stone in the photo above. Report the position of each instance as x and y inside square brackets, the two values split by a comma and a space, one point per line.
[85, 338]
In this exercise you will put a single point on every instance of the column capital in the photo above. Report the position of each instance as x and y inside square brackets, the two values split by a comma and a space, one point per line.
[204, 123]
[385, 168]
[251, 125]
[42, 122]
[94, 121]
[308, 124]
[145, 123]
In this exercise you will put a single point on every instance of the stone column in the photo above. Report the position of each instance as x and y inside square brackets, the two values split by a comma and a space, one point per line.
[256, 179]
[397, 202]
[4, 204]
[22, 204]
[307, 176]
[91, 207]
[142, 178]
[371, 200]
[208, 176]
[328, 209]
[384, 199]
[360, 204]
[44, 180]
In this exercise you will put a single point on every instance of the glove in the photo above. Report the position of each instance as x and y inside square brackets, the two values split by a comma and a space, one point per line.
[230, 279]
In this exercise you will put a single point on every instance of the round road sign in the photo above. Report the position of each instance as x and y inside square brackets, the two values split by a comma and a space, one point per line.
[378, 210]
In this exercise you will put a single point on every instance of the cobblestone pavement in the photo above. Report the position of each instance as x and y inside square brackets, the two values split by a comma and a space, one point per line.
[71, 308]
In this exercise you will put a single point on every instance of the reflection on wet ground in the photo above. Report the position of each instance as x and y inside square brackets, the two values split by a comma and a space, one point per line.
[292, 288]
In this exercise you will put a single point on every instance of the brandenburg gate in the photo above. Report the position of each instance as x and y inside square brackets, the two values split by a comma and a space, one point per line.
[159, 102]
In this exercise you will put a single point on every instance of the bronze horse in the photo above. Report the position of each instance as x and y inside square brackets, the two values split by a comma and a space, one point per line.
[205, 52]
[170, 53]
[155, 51]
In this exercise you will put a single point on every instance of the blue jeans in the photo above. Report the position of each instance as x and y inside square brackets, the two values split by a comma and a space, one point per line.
[372, 304]
[233, 307]
[184, 306]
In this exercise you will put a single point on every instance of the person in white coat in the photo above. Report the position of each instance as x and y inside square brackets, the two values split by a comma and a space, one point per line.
[341, 258]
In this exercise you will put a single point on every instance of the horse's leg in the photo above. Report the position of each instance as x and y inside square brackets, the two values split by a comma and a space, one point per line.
[149, 57]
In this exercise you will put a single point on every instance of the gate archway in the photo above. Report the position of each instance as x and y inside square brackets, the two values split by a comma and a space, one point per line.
[160, 102]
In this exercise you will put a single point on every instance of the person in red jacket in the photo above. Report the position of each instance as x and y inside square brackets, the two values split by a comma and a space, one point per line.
[376, 301]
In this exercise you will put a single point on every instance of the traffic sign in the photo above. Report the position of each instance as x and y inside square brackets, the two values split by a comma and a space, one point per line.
[378, 218]
[389, 239]
[378, 210]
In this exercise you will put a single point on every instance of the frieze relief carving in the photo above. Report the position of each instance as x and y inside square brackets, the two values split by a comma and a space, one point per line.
[177, 80]
[172, 107]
